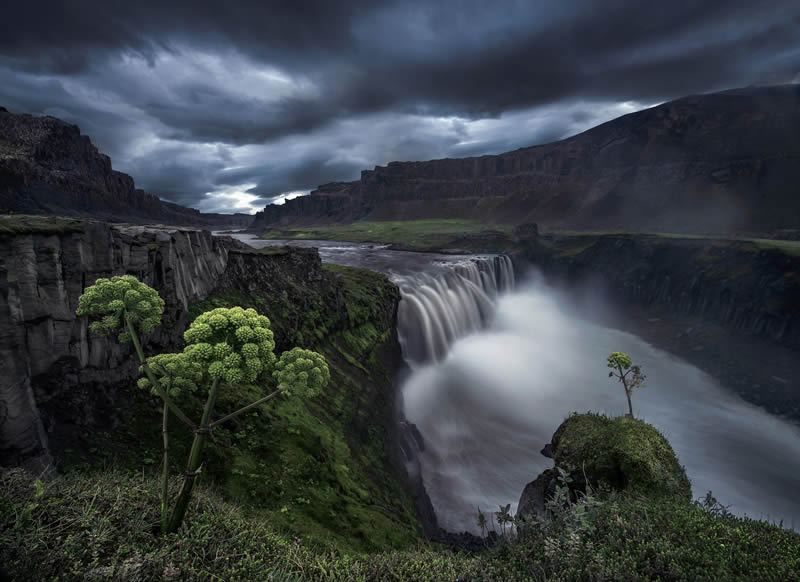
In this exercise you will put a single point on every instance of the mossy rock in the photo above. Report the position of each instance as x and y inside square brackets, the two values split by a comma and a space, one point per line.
[623, 453]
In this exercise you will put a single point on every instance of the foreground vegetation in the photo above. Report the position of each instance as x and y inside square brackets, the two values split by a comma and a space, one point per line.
[427, 234]
[99, 526]
[317, 467]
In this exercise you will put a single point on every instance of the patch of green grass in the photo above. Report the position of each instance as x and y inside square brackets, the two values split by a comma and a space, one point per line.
[100, 526]
[412, 234]
[788, 247]
[13, 224]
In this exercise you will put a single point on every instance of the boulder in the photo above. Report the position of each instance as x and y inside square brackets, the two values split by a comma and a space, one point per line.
[622, 454]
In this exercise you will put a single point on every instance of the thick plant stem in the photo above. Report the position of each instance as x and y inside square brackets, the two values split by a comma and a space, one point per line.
[164, 469]
[244, 409]
[195, 455]
[150, 376]
[627, 391]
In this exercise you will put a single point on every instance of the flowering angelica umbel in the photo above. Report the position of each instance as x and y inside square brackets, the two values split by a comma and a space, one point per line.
[224, 346]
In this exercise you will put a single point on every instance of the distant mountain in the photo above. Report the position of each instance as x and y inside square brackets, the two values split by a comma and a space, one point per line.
[718, 163]
[48, 167]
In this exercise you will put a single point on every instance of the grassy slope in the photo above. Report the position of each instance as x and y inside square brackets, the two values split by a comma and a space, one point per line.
[101, 523]
[316, 468]
[465, 235]
[430, 234]
[573, 241]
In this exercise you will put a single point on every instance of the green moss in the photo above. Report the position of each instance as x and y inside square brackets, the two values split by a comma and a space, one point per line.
[13, 224]
[622, 453]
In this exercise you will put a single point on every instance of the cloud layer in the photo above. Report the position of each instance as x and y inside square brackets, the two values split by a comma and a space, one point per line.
[228, 109]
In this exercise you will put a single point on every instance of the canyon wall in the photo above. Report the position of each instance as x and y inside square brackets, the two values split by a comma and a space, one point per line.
[728, 306]
[55, 376]
[717, 163]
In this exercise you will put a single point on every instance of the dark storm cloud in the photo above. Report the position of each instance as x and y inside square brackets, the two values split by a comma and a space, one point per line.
[302, 90]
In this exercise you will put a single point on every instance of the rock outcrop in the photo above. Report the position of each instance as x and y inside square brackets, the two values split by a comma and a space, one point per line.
[719, 163]
[48, 167]
[54, 376]
[599, 453]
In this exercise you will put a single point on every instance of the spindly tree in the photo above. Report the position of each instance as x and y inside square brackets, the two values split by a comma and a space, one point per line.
[631, 376]
[224, 347]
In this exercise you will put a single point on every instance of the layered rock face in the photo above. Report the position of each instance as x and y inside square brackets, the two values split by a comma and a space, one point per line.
[717, 163]
[747, 289]
[727, 306]
[48, 167]
[54, 376]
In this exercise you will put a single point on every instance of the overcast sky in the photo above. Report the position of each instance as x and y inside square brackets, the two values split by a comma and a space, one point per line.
[227, 106]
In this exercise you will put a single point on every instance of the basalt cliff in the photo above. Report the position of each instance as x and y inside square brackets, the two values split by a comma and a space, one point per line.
[56, 377]
[69, 398]
[48, 167]
[717, 163]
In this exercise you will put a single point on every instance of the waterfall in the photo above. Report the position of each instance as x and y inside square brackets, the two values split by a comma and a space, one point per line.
[438, 308]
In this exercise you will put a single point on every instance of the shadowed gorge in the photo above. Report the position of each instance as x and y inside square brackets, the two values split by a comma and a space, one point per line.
[486, 410]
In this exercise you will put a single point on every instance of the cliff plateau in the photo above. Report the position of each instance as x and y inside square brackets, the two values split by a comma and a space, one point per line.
[717, 163]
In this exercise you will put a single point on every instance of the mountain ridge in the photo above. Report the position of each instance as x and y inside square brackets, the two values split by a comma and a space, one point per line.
[715, 163]
[48, 167]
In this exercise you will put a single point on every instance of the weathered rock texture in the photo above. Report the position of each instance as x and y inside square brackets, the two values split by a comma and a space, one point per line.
[716, 163]
[48, 167]
[54, 376]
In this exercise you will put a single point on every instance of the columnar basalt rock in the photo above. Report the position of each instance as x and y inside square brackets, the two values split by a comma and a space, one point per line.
[54, 375]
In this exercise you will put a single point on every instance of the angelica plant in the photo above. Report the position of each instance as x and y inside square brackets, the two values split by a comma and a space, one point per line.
[631, 376]
[127, 303]
[235, 345]
[224, 347]
[176, 374]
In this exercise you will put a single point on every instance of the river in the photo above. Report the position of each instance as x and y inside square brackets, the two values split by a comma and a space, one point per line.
[497, 365]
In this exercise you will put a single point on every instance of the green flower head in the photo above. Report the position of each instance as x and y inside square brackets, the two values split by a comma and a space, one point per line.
[175, 372]
[301, 371]
[240, 344]
[119, 300]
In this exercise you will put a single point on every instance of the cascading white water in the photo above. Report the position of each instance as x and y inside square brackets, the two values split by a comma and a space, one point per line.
[485, 404]
[437, 309]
